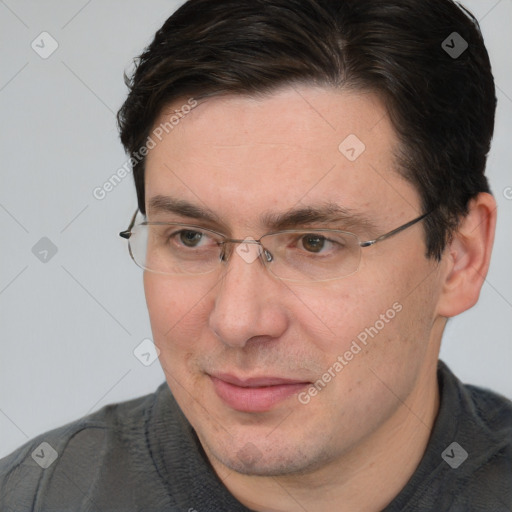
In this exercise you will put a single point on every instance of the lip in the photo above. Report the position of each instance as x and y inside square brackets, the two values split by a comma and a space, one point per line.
[255, 394]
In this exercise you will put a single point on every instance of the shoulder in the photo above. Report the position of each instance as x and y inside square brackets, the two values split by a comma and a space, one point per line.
[486, 418]
[492, 411]
[79, 449]
[484, 431]
[488, 412]
[491, 416]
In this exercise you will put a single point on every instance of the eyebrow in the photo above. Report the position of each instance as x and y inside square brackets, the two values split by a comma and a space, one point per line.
[327, 213]
[167, 204]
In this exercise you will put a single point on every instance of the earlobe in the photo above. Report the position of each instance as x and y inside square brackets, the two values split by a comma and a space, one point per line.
[467, 257]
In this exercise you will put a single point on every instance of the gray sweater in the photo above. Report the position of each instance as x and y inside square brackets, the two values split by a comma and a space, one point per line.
[143, 455]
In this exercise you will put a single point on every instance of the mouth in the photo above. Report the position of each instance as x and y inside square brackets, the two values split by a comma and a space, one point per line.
[257, 394]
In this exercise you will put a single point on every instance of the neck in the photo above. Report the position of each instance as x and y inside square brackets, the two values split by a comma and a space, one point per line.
[368, 477]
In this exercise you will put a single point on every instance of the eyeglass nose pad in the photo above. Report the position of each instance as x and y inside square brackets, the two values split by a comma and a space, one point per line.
[267, 255]
[224, 252]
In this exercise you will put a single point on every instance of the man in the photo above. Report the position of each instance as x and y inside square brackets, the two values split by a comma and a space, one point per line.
[312, 209]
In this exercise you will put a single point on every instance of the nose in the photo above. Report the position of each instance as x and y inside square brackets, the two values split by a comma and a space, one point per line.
[246, 303]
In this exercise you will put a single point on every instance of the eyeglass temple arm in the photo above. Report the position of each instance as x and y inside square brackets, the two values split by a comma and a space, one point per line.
[395, 231]
[128, 233]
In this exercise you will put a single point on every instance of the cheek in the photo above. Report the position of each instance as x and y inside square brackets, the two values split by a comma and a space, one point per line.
[334, 315]
[178, 318]
[176, 310]
[369, 320]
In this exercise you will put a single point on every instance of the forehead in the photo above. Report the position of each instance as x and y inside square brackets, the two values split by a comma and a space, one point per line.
[239, 155]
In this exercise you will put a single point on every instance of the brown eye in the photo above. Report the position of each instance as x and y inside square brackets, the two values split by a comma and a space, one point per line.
[190, 238]
[313, 243]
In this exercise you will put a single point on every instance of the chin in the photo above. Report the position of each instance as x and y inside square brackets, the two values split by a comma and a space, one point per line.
[269, 458]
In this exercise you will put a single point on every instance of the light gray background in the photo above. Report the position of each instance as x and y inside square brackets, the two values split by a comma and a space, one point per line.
[69, 326]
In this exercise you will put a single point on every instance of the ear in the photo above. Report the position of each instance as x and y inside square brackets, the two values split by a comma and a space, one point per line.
[468, 256]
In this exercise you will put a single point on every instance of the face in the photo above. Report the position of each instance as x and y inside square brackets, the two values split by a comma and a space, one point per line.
[279, 377]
